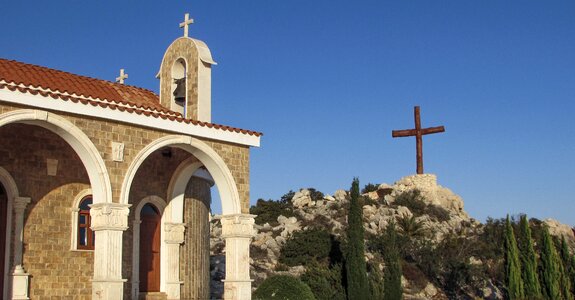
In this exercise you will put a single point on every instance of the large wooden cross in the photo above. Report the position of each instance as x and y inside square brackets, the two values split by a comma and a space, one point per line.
[186, 23]
[418, 132]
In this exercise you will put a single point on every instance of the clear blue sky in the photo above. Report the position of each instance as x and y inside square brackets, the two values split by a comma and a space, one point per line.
[327, 81]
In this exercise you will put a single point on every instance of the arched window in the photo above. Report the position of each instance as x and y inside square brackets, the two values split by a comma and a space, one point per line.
[85, 235]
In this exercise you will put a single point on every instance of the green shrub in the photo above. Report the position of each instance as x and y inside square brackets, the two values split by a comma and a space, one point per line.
[415, 202]
[375, 279]
[370, 187]
[315, 194]
[283, 287]
[304, 247]
[269, 211]
[437, 213]
[324, 282]
[412, 200]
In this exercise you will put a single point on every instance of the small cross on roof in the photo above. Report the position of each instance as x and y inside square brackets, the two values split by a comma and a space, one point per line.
[186, 23]
[122, 77]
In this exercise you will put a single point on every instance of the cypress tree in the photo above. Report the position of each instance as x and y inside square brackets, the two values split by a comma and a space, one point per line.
[513, 279]
[356, 271]
[566, 272]
[528, 261]
[392, 274]
[550, 273]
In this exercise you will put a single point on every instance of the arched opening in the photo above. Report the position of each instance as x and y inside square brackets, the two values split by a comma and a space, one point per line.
[3, 223]
[78, 140]
[179, 86]
[150, 245]
[208, 158]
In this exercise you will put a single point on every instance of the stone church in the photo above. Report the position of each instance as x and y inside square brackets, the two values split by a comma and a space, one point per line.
[105, 187]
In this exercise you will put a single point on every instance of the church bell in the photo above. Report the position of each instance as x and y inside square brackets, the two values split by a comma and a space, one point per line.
[180, 91]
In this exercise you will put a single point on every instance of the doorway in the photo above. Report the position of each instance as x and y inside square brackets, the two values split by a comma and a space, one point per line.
[150, 249]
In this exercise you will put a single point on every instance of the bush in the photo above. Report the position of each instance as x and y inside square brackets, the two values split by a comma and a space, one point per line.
[324, 282]
[304, 247]
[269, 211]
[414, 201]
[283, 287]
[370, 187]
[315, 194]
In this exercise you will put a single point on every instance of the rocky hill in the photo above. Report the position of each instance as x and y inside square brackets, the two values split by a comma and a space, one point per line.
[445, 253]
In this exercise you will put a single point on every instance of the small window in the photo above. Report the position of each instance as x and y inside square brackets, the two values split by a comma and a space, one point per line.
[85, 234]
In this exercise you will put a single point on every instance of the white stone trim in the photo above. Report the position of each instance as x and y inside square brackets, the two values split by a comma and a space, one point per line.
[42, 102]
[237, 230]
[205, 154]
[109, 220]
[74, 221]
[12, 193]
[76, 138]
[177, 188]
[160, 204]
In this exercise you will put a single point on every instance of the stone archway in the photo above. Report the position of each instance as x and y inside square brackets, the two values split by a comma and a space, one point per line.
[107, 217]
[207, 156]
[16, 283]
[237, 228]
[78, 140]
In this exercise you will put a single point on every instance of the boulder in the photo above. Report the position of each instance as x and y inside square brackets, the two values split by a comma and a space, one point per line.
[340, 195]
[302, 199]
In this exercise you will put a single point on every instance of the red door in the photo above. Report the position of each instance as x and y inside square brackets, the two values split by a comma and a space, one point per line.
[3, 208]
[150, 249]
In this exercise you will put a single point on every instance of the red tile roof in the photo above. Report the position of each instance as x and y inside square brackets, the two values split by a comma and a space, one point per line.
[70, 87]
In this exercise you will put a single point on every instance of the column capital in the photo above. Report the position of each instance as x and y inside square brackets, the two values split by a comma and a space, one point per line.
[238, 225]
[109, 216]
[20, 204]
[174, 233]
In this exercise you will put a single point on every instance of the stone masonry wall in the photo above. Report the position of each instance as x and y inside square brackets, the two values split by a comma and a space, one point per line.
[58, 271]
[102, 133]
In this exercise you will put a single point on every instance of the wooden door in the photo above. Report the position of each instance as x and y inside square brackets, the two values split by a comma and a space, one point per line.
[150, 249]
[3, 215]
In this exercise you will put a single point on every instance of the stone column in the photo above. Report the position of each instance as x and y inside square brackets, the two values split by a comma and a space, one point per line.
[196, 249]
[20, 279]
[109, 221]
[174, 237]
[238, 231]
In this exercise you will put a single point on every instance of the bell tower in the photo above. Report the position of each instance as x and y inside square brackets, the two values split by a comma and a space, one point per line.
[186, 77]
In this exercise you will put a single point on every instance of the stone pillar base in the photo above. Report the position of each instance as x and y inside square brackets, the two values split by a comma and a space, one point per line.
[237, 289]
[173, 290]
[108, 289]
[20, 281]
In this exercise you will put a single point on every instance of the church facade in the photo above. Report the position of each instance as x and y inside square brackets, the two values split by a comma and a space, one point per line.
[105, 187]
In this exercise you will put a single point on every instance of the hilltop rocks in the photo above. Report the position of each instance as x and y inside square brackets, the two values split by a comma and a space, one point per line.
[432, 192]
[302, 199]
[439, 213]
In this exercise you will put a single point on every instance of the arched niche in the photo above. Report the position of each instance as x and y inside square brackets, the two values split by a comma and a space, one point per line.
[178, 101]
